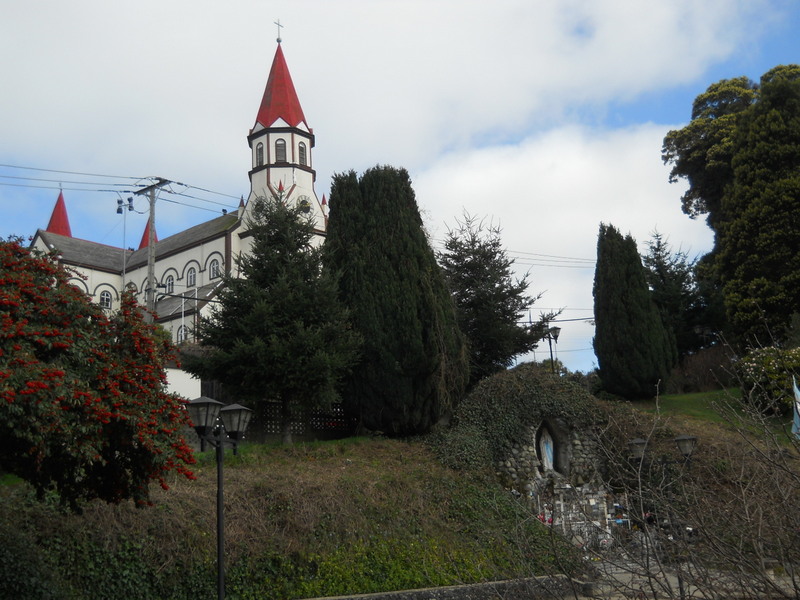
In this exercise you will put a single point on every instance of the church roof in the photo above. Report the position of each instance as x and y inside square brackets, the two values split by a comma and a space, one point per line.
[59, 221]
[83, 253]
[280, 98]
[88, 254]
[186, 239]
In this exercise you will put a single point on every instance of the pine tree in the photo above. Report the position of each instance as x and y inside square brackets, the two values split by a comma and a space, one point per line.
[634, 351]
[414, 363]
[278, 332]
[490, 301]
[675, 291]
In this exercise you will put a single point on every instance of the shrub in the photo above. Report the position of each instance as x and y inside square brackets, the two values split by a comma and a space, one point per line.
[498, 411]
[766, 375]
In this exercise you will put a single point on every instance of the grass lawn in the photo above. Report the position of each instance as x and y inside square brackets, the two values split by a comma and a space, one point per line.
[700, 405]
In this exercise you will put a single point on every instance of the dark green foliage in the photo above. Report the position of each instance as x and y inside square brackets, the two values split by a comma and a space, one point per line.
[414, 364]
[676, 293]
[278, 332]
[496, 414]
[741, 155]
[701, 152]
[634, 350]
[759, 238]
[490, 302]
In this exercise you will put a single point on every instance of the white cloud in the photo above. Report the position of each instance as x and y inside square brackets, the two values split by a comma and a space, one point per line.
[500, 108]
[550, 193]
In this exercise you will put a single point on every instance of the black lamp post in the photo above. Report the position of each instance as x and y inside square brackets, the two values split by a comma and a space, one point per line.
[552, 336]
[219, 425]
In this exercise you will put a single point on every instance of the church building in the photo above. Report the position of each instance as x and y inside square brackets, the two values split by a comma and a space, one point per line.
[187, 266]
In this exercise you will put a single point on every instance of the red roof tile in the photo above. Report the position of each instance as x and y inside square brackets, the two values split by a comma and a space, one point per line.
[280, 98]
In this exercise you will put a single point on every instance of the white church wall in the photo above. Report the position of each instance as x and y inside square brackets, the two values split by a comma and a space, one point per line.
[182, 383]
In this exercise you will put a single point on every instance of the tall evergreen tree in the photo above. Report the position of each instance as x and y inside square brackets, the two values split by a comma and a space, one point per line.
[740, 157]
[758, 241]
[675, 291]
[414, 365]
[490, 301]
[278, 333]
[634, 350]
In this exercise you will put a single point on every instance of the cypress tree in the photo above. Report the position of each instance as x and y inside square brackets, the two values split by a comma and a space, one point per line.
[634, 350]
[414, 364]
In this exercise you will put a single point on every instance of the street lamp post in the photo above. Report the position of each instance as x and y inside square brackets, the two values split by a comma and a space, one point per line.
[219, 425]
[686, 445]
[552, 336]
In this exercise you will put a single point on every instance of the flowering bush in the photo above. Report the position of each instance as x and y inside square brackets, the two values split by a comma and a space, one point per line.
[766, 375]
[84, 410]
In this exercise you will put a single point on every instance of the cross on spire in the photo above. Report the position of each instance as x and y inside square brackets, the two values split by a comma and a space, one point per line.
[278, 23]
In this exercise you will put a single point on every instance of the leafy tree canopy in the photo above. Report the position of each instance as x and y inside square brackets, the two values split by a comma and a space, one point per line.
[757, 243]
[491, 303]
[83, 407]
[278, 332]
[701, 152]
[414, 365]
[739, 155]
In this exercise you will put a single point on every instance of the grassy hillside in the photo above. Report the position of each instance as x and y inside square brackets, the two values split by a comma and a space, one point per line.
[330, 518]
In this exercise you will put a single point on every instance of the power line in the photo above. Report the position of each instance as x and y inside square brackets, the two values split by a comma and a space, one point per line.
[71, 172]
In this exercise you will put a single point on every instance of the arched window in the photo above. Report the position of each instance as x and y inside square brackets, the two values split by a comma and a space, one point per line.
[301, 148]
[280, 151]
[170, 284]
[183, 334]
[105, 299]
[259, 154]
[191, 277]
[214, 268]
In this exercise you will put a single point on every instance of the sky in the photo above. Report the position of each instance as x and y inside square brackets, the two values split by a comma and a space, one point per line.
[542, 117]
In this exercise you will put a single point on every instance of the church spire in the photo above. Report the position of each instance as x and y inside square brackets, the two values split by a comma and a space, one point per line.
[59, 221]
[146, 237]
[280, 98]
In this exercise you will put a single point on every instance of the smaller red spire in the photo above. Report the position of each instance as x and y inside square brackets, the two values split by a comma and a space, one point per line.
[280, 186]
[146, 237]
[59, 221]
[324, 200]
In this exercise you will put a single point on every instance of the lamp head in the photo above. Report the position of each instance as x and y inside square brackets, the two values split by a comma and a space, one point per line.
[637, 448]
[235, 418]
[686, 444]
[204, 412]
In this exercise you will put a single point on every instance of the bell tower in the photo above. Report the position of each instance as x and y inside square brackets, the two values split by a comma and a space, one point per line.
[280, 146]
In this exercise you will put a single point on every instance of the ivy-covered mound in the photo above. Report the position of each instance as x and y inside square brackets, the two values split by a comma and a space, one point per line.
[498, 411]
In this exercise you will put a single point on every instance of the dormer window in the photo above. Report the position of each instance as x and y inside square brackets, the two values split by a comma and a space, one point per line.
[280, 151]
[301, 150]
[259, 154]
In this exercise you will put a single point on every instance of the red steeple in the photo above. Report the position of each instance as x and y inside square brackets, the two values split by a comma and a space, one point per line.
[146, 237]
[59, 222]
[280, 99]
